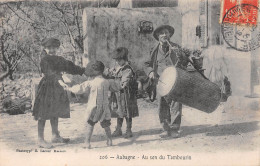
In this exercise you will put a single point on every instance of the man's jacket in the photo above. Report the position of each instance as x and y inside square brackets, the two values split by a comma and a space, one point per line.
[178, 58]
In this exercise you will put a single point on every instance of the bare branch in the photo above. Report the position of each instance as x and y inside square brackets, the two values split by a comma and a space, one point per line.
[33, 24]
[27, 55]
[5, 75]
[18, 14]
[27, 15]
[64, 21]
[3, 52]
[5, 59]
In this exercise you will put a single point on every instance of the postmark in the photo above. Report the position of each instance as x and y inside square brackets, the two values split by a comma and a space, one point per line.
[240, 27]
[239, 12]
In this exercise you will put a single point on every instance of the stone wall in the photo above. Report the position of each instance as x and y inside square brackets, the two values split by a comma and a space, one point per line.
[106, 29]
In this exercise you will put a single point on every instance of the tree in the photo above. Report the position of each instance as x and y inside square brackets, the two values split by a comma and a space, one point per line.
[24, 24]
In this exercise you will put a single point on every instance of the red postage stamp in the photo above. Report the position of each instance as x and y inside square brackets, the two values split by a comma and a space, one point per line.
[242, 12]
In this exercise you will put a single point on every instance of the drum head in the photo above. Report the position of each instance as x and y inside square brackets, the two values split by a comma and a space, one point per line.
[166, 81]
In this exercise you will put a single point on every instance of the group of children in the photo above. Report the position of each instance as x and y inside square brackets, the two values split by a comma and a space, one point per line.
[112, 94]
[109, 87]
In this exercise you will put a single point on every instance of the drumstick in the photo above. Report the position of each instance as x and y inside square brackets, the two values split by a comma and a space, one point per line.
[161, 81]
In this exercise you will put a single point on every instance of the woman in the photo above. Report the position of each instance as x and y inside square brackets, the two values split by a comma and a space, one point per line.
[52, 100]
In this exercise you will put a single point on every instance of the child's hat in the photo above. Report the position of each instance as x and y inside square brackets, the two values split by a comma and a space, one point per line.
[120, 53]
[51, 42]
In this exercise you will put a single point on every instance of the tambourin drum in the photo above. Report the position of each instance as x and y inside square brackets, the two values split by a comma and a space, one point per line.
[189, 88]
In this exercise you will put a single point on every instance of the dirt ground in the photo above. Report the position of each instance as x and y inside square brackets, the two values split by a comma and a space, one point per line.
[223, 130]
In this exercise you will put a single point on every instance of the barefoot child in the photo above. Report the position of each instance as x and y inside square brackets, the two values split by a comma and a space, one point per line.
[98, 106]
[52, 101]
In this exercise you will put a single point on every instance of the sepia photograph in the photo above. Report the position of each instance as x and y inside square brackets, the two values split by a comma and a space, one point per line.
[129, 82]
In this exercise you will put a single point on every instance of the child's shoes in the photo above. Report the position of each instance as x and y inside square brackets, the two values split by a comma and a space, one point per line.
[60, 140]
[44, 144]
[117, 133]
[129, 133]
[109, 142]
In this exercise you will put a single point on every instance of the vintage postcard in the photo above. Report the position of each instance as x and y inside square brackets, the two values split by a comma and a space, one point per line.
[130, 82]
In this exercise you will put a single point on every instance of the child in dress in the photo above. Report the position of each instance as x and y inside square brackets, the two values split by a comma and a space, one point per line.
[125, 98]
[98, 105]
[52, 102]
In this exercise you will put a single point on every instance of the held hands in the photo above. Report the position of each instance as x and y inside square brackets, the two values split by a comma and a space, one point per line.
[151, 75]
[65, 86]
[106, 71]
[123, 85]
[88, 72]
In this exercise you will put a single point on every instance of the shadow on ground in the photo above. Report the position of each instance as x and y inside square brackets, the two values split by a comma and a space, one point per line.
[208, 130]
[221, 130]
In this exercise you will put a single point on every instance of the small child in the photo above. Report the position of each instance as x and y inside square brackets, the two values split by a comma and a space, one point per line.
[98, 105]
[125, 98]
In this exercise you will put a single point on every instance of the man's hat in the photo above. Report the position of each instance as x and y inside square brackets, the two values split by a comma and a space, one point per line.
[120, 53]
[157, 30]
[51, 42]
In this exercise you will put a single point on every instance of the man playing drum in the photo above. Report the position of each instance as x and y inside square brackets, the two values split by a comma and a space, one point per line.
[166, 54]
